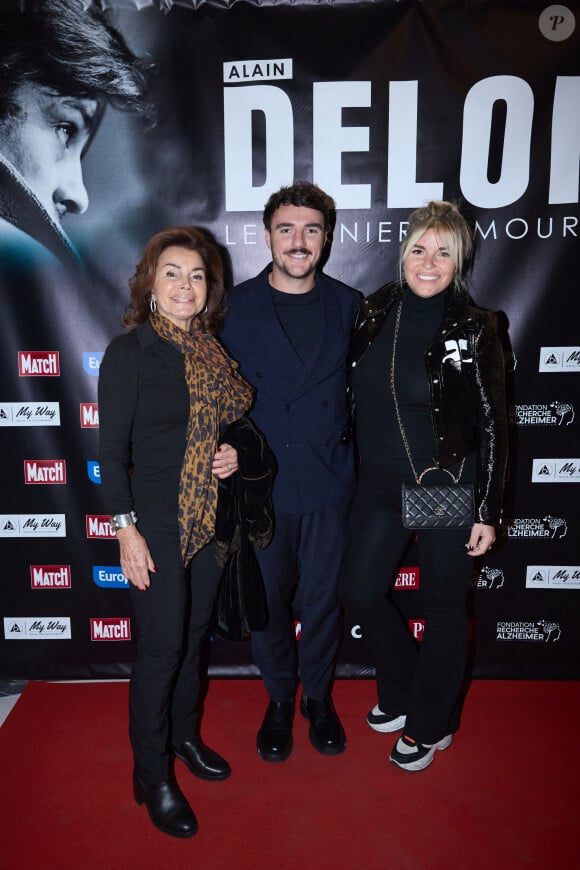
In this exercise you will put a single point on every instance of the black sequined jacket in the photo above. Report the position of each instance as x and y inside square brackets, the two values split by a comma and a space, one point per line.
[466, 373]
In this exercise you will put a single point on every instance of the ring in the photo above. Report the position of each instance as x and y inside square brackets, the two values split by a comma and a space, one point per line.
[229, 467]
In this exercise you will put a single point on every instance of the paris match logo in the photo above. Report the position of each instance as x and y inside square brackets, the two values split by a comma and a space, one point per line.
[44, 471]
[89, 415]
[111, 628]
[99, 526]
[38, 364]
[50, 577]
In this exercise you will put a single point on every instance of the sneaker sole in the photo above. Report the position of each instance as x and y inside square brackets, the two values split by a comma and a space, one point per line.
[422, 763]
[387, 727]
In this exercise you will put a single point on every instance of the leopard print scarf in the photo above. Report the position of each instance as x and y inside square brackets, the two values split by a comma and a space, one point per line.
[218, 395]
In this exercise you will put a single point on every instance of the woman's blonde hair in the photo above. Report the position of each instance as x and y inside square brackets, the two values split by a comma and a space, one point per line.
[453, 229]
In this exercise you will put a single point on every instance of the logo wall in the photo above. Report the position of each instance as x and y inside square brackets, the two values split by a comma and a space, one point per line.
[92, 362]
[534, 527]
[44, 471]
[489, 578]
[89, 415]
[540, 631]
[553, 414]
[111, 628]
[553, 577]
[37, 628]
[50, 577]
[38, 363]
[109, 577]
[26, 414]
[32, 526]
[556, 470]
[560, 359]
[99, 526]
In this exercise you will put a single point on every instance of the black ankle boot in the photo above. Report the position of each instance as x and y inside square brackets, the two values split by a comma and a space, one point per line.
[201, 760]
[167, 806]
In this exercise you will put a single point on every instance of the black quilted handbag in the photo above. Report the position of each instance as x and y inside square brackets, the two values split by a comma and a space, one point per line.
[442, 506]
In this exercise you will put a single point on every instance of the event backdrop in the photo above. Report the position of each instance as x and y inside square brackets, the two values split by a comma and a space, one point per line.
[385, 105]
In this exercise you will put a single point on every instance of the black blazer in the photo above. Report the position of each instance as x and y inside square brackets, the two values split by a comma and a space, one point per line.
[301, 409]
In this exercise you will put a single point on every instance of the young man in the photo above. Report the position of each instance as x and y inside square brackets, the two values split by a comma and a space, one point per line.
[289, 328]
[60, 62]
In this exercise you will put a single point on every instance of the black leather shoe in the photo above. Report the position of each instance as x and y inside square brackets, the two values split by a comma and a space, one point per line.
[167, 806]
[274, 740]
[326, 732]
[201, 760]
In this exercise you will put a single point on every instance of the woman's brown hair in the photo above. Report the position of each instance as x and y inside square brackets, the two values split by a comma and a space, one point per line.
[141, 284]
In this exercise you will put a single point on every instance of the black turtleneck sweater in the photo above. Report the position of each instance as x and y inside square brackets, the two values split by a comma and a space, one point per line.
[380, 446]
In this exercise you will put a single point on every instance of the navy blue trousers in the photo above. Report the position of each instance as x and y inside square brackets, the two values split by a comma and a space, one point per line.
[172, 619]
[300, 569]
[422, 681]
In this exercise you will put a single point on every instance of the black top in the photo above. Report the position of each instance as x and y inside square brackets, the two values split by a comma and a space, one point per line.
[143, 413]
[380, 445]
[299, 316]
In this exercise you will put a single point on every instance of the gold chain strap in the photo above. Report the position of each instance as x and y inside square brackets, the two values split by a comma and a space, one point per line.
[418, 477]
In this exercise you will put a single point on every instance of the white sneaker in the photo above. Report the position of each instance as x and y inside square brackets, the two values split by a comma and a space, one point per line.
[384, 722]
[412, 756]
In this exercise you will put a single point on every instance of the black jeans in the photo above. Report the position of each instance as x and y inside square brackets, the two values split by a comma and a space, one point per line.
[422, 681]
[172, 619]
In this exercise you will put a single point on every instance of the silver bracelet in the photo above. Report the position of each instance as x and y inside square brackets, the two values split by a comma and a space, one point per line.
[121, 521]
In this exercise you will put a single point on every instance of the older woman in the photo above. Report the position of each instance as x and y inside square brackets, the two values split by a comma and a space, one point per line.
[166, 391]
[428, 393]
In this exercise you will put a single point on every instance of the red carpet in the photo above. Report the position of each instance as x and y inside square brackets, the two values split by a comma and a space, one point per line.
[505, 795]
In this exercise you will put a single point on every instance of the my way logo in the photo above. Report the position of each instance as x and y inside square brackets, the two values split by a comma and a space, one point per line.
[109, 577]
[534, 527]
[553, 577]
[89, 415]
[553, 414]
[38, 363]
[111, 628]
[26, 414]
[540, 631]
[50, 577]
[99, 526]
[44, 471]
[92, 362]
[32, 526]
[559, 359]
[556, 470]
[37, 628]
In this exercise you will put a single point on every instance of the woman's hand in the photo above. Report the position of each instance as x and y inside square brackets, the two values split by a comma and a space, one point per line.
[136, 560]
[480, 539]
[225, 461]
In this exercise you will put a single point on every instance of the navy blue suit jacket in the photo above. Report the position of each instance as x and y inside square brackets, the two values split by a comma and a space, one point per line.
[301, 409]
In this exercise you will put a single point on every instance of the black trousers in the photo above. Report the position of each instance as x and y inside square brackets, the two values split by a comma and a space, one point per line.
[422, 681]
[172, 619]
[300, 568]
